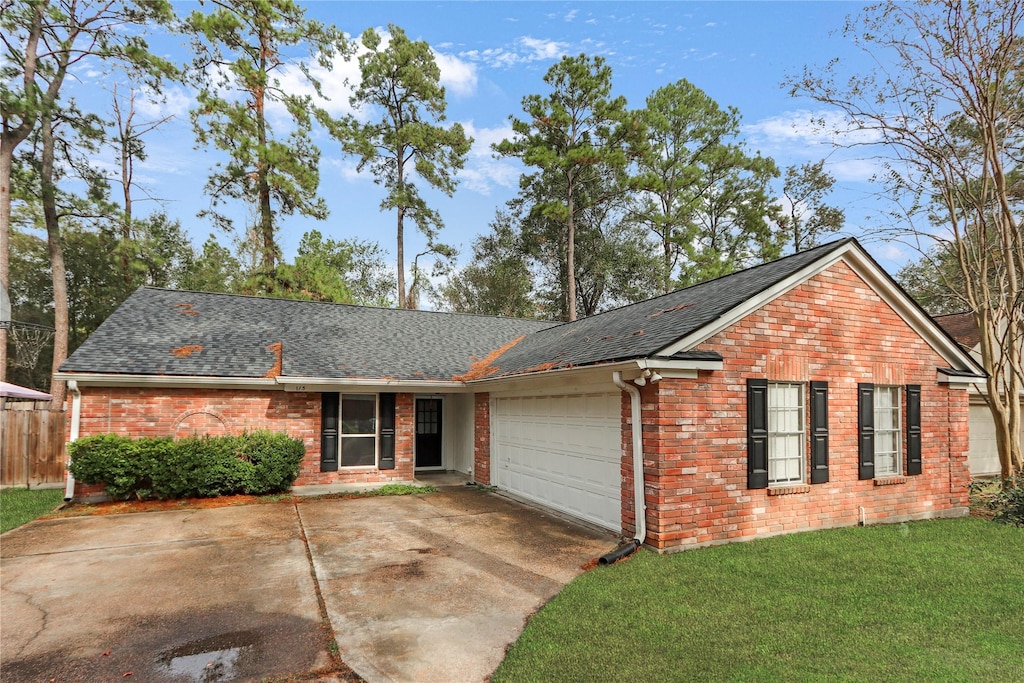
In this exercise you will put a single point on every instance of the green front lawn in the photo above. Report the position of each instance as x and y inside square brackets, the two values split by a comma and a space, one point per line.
[925, 601]
[18, 506]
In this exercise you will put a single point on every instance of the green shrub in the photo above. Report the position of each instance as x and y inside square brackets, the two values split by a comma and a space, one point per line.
[1008, 503]
[255, 463]
[275, 460]
[121, 464]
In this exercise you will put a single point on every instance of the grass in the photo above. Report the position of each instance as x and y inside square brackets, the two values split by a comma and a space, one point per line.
[926, 601]
[18, 506]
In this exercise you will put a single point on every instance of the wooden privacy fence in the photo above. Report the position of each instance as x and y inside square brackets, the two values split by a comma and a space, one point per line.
[31, 447]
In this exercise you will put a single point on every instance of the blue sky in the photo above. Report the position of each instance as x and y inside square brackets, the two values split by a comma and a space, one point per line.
[492, 54]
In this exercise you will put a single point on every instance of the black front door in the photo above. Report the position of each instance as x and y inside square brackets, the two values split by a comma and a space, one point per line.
[428, 432]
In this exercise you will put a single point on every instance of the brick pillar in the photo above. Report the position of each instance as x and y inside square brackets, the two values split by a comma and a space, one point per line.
[959, 446]
[405, 437]
[482, 438]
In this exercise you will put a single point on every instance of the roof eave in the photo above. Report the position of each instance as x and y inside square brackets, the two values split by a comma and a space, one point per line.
[103, 379]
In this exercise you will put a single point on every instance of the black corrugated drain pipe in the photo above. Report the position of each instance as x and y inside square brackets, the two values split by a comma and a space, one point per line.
[620, 552]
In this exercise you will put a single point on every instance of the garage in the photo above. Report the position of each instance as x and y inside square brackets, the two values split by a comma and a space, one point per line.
[563, 452]
[984, 454]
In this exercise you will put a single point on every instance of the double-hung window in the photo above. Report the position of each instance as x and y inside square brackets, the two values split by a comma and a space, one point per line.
[887, 431]
[787, 433]
[887, 426]
[781, 420]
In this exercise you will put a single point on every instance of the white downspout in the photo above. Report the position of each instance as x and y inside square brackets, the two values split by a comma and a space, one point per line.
[76, 415]
[639, 499]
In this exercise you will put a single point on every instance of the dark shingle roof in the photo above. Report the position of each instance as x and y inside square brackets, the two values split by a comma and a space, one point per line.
[180, 333]
[961, 327]
[643, 329]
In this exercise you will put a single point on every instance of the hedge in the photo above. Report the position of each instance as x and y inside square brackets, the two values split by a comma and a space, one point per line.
[195, 467]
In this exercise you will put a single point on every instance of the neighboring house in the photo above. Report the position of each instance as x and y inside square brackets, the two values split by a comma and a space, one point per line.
[806, 393]
[984, 454]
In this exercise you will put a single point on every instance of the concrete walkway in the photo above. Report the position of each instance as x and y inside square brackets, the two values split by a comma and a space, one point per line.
[416, 588]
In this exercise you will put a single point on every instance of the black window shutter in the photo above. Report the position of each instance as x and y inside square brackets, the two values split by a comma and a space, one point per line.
[866, 429]
[913, 429]
[819, 432]
[757, 433]
[387, 431]
[329, 432]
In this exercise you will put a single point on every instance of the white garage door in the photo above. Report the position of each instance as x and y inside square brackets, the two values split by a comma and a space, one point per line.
[984, 454]
[562, 452]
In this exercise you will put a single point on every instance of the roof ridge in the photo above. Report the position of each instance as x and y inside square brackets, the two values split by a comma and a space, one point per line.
[259, 297]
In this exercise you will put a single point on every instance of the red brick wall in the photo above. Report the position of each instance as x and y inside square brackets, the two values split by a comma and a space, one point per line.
[832, 328]
[181, 412]
[482, 438]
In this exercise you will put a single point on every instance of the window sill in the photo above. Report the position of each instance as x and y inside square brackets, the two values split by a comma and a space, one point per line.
[890, 481]
[788, 490]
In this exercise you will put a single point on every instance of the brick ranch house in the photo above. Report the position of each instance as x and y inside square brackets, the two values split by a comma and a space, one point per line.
[805, 393]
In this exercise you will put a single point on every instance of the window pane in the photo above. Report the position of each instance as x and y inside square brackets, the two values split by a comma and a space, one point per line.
[786, 433]
[358, 450]
[358, 413]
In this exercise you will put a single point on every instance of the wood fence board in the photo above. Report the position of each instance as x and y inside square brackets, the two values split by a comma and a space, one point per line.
[32, 451]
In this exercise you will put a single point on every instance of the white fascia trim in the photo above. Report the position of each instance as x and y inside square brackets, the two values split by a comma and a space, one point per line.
[873, 275]
[955, 382]
[672, 364]
[600, 370]
[672, 368]
[89, 379]
[341, 383]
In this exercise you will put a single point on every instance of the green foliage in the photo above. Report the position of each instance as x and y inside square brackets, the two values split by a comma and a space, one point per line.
[923, 601]
[498, 280]
[342, 271]
[699, 191]
[403, 490]
[806, 218]
[123, 465]
[401, 86]
[254, 463]
[579, 139]
[1008, 503]
[18, 505]
[277, 175]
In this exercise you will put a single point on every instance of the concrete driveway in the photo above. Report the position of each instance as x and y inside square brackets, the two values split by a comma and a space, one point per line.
[416, 588]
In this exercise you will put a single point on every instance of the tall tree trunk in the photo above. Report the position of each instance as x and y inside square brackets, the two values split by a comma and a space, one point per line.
[59, 278]
[403, 300]
[10, 138]
[6, 166]
[400, 255]
[268, 247]
[570, 258]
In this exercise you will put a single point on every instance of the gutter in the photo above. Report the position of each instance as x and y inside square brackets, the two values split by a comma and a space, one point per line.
[76, 418]
[639, 499]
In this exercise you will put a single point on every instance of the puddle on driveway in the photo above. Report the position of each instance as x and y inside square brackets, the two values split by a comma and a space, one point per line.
[211, 659]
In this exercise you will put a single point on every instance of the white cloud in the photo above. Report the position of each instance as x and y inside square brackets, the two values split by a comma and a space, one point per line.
[483, 171]
[542, 49]
[174, 101]
[525, 49]
[571, 15]
[457, 75]
[805, 127]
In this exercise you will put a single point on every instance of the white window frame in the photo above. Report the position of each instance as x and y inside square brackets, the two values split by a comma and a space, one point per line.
[342, 435]
[780, 441]
[888, 463]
